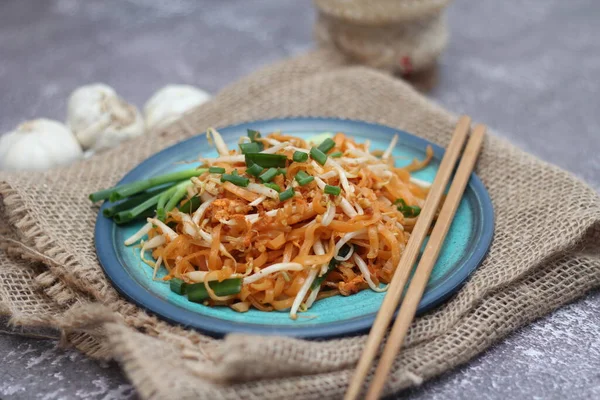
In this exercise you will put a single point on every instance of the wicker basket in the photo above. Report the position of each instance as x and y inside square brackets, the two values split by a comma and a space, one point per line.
[398, 36]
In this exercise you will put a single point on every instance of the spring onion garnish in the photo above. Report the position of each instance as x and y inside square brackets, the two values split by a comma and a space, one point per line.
[303, 178]
[334, 190]
[326, 145]
[216, 170]
[235, 179]
[177, 286]
[125, 217]
[253, 135]
[247, 148]
[105, 193]
[273, 186]
[254, 170]
[197, 291]
[286, 194]
[191, 205]
[128, 215]
[121, 192]
[266, 160]
[132, 201]
[300, 156]
[161, 214]
[336, 154]
[332, 264]
[268, 175]
[318, 155]
[282, 171]
[406, 210]
[235, 172]
[178, 195]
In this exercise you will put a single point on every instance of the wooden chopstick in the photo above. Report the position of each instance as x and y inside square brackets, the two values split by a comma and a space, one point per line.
[411, 252]
[428, 259]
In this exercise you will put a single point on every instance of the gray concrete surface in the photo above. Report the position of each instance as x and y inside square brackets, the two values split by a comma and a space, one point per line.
[528, 69]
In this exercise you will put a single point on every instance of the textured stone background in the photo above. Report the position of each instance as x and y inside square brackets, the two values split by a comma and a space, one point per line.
[530, 70]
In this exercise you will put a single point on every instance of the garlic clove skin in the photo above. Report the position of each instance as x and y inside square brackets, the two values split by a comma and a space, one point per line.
[38, 145]
[170, 103]
[100, 119]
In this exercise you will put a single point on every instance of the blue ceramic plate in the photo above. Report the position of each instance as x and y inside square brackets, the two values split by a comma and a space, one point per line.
[466, 245]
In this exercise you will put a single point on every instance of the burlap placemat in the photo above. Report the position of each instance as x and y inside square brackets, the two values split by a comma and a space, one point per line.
[546, 252]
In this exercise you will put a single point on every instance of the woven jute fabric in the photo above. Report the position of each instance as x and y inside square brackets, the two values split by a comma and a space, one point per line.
[545, 253]
[398, 36]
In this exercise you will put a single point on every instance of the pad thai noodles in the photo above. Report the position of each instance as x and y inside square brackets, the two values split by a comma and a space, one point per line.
[279, 223]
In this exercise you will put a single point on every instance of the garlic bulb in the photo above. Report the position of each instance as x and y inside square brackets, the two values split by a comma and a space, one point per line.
[170, 102]
[100, 119]
[38, 145]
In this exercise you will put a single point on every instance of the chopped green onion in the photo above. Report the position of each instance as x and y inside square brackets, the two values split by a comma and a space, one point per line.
[334, 190]
[273, 186]
[123, 191]
[268, 175]
[282, 171]
[248, 148]
[318, 155]
[216, 170]
[197, 291]
[332, 264]
[235, 179]
[336, 154]
[235, 172]
[303, 178]
[301, 175]
[401, 202]
[410, 211]
[414, 211]
[254, 170]
[326, 145]
[253, 135]
[266, 160]
[300, 156]
[177, 286]
[286, 194]
[406, 210]
[306, 181]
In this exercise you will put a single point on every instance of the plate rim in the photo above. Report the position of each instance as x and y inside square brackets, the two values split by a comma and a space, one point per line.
[135, 292]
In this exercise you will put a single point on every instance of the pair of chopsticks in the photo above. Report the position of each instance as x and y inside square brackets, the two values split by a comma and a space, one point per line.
[428, 259]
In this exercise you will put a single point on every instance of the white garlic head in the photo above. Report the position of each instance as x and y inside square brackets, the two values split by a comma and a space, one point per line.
[39, 144]
[100, 119]
[170, 103]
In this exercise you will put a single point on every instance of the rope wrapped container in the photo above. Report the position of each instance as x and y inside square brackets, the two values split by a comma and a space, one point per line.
[396, 36]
